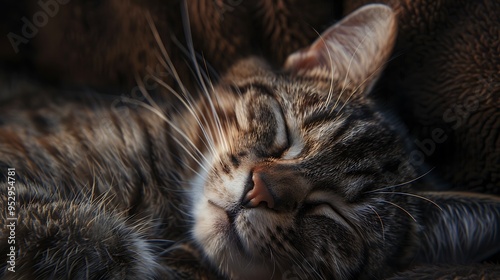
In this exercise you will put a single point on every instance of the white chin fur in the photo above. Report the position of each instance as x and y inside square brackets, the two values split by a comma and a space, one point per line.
[212, 231]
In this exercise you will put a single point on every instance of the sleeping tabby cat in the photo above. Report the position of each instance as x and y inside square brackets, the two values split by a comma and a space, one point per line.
[270, 174]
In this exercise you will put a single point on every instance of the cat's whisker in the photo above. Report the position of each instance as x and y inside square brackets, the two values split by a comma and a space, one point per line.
[165, 252]
[204, 89]
[158, 109]
[218, 101]
[87, 268]
[188, 102]
[298, 264]
[190, 45]
[187, 97]
[190, 154]
[339, 116]
[181, 182]
[348, 98]
[332, 69]
[304, 259]
[174, 126]
[93, 188]
[214, 123]
[189, 106]
[250, 262]
[414, 195]
[208, 68]
[273, 260]
[401, 208]
[204, 73]
[227, 126]
[182, 211]
[166, 63]
[369, 78]
[380, 219]
[103, 200]
[154, 104]
[164, 52]
[401, 184]
[160, 242]
[344, 84]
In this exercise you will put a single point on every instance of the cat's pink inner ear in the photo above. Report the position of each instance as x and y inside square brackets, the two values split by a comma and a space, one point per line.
[303, 59]
[356, 48]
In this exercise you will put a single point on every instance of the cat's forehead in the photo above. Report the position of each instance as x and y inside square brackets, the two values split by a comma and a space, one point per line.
[307, 90]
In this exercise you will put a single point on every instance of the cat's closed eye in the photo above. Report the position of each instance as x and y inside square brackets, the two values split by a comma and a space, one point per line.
[323, 209]
[282, 138]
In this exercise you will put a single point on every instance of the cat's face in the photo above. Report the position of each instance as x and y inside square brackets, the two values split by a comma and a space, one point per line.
[300, 181]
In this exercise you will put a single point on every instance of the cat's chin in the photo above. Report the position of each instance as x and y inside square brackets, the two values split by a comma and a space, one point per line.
[221, 239]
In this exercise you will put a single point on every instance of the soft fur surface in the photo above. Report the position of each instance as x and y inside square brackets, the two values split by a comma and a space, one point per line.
[113, 44]
[288, 165]
[445, 75]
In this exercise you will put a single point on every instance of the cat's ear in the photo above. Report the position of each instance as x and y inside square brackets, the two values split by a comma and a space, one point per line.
[355, 49]
[458, 228]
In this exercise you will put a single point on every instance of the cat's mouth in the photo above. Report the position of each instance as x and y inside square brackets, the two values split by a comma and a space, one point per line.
[225, 227]
[229, 215]
[226, 218]
[216, 232]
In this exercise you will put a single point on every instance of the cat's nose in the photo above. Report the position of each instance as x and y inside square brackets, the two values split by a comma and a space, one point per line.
[274, 186]
[260, 193]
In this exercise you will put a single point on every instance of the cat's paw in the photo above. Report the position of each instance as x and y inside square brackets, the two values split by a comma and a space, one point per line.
[76, 240]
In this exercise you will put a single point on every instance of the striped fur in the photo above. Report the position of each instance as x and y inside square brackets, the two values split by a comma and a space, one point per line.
[145, 190]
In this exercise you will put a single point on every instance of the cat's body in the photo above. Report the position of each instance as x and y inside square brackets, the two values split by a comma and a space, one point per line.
[86, 161]
[271, 174]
